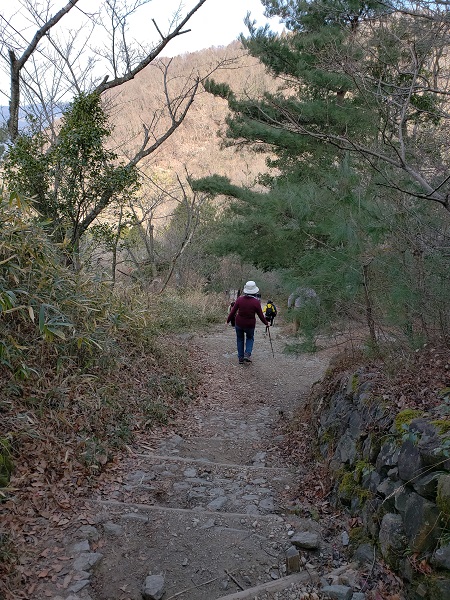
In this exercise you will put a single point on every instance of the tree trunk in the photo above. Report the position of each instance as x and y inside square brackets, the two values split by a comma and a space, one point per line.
[369, 307]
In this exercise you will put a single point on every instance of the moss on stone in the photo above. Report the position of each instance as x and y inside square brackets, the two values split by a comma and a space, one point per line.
[349, 486]
[405, 417]
[437, 585]
[330, 435]
[442, 425]
[359, 536]
[362, 467]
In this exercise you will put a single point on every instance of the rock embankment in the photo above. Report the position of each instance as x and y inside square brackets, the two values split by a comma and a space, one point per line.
[392, 471]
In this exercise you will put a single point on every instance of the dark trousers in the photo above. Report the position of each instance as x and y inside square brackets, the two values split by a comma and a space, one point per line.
[245, 337]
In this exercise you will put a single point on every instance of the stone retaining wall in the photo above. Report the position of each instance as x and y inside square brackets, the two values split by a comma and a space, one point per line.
[392, 472]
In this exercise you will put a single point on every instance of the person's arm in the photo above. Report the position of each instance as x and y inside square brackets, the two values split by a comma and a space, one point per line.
[233, 311]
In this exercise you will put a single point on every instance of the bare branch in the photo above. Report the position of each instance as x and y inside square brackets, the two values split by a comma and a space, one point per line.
[152, 55]
[17, 64]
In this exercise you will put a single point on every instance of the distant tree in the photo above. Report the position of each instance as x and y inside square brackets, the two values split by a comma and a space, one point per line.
[195, 264]
[109, 237]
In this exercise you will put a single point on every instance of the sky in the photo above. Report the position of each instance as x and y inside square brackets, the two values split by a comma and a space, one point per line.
[216, 23]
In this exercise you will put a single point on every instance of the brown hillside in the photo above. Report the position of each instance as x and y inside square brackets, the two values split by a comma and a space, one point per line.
[196, 143]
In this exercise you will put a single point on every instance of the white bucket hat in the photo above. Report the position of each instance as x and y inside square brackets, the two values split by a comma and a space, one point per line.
[251, 288]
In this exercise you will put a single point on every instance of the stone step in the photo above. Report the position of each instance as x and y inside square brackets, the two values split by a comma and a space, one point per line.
[203, 554]
[256, 464]
[180, 482]
[219, 421]
[284, 583]
[136, 511]
[223, 450]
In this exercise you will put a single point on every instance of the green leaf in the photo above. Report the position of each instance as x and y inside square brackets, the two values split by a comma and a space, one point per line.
[42, 318]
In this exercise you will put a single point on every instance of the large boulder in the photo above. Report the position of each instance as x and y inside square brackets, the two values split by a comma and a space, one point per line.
[387, 457]
[303, 296]
[410, 462]
[370, 515]
[430, 444]
[389, 490]
[441, 558]
[345, 452]
[422, 523]
[439, 589]
[392, 539]
[426, 486]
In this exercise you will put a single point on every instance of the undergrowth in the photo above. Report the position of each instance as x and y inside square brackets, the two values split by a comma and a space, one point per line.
[83, 370]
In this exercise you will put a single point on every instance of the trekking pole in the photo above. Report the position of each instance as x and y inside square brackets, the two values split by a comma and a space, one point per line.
[270, 339]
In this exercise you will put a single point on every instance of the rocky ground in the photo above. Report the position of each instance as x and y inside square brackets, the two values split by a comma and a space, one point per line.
[211, 507]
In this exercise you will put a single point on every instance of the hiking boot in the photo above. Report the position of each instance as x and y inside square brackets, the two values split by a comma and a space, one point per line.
[247, 358]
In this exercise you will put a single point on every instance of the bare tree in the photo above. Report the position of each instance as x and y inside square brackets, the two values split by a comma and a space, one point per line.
[144, 212]
[28, 60]
[183, 218]
[190, 203]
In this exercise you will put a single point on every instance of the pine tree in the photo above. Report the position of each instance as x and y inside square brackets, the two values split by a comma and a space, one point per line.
[326, 219]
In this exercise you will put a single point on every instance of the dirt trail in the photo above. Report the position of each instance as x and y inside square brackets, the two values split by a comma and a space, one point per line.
[203, 506]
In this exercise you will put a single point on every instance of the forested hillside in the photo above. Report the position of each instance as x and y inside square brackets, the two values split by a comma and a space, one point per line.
[196, 146]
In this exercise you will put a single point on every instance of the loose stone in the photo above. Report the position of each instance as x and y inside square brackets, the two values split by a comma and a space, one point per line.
[81, 547]
[190, 473]
[338, 592]
[217, 503]
[306, 539]
[89, 532]
[86, 561]
[154, 587]
[112, 529]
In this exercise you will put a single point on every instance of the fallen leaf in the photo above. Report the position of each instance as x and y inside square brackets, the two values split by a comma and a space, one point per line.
[31, 589]
[43, 573]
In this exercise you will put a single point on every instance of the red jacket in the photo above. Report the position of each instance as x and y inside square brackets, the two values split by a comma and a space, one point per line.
[245, 309]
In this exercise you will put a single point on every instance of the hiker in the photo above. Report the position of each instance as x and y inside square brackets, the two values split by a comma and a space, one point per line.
[270, 311]
[245, 310]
